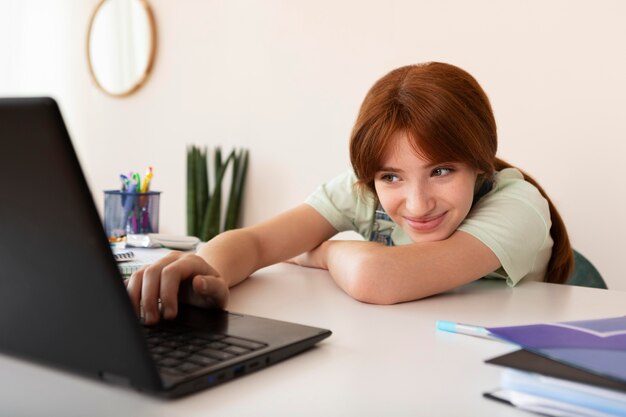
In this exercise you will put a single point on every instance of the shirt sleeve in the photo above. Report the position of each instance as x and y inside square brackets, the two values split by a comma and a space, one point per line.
[345, 208]
[513, 220]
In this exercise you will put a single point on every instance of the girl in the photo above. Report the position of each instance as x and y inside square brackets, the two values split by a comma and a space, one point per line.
[437, 208]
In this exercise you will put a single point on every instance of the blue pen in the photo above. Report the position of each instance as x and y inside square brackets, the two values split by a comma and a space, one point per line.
[130, 195]
[467, 329]
[125, 182]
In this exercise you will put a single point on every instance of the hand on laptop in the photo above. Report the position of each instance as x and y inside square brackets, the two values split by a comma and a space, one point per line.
[177, 277]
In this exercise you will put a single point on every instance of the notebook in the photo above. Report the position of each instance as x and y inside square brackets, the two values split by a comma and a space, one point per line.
[72, 312]
[536, 383]
[123, 255]
[524, 360]
[127, 262]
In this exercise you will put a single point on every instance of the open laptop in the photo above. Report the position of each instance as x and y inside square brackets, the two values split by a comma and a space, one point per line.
[62, 299]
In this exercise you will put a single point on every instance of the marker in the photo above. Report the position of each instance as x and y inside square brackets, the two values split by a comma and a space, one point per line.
[467, 329]
[146, 180]
[136, 186]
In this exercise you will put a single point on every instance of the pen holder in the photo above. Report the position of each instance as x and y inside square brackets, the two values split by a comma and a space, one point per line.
[128, 213]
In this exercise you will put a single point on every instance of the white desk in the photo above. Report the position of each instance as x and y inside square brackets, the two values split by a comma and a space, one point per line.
[380, 361]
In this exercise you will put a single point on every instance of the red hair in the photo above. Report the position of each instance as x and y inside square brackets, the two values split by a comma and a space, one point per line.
[449, 118]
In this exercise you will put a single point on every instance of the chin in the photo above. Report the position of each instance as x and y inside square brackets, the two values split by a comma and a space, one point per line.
[424, 239]
[429, 237]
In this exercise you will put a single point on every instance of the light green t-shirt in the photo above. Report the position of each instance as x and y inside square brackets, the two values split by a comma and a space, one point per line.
[513, 220]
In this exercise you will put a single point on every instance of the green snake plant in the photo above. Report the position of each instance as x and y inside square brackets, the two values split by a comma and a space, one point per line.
[204, 205]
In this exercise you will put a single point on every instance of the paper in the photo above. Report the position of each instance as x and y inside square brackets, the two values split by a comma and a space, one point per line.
[540, 390]
[542, 405]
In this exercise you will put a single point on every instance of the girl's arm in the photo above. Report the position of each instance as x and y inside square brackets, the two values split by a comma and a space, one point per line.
[204, 278]
[378, 274]
[238, 253]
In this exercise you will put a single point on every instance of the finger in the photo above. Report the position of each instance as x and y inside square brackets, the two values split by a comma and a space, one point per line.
[173, 274]
[150, 294]
[133, 287]
[151, 284]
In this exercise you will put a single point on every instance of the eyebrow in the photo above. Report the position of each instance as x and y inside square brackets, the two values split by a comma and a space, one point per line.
[389, 169]
[429, 166]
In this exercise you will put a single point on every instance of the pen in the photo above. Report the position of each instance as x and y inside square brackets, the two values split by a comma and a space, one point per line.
[467, 329]
[125, 182]
[146, 180]
[137, 180]
[128, 201]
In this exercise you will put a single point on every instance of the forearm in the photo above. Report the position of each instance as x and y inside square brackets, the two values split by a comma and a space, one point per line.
[238, 253]
[233, 254]
[350, 263]
[368, 272]
[378, 274]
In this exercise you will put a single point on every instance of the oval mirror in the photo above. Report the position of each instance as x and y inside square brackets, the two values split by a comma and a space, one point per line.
[121, 43]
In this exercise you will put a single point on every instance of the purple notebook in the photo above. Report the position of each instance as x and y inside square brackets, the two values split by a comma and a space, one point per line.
[597, 346]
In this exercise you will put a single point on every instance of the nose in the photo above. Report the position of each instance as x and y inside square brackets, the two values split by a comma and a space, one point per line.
[420, 201]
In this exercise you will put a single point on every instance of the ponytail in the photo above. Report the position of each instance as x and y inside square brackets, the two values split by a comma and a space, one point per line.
[561, 264]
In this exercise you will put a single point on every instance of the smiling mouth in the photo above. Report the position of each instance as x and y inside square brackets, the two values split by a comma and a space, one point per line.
[425, 224]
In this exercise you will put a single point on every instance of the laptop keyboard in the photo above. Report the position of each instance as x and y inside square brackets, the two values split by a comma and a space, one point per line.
[180, 353]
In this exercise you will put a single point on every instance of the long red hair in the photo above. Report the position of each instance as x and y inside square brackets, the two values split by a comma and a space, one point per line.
[448, 115]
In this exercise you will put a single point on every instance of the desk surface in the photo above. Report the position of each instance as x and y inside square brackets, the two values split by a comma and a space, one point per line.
[380, 360]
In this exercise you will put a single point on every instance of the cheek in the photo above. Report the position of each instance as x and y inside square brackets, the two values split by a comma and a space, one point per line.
[465, 196]
[387, 198]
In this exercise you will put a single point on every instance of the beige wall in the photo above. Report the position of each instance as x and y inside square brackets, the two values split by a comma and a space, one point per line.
[285, 79]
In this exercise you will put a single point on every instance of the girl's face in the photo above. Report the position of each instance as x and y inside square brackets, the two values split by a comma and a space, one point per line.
[428, 201]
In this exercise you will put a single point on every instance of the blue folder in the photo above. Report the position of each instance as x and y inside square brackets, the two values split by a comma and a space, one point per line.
[596, 346]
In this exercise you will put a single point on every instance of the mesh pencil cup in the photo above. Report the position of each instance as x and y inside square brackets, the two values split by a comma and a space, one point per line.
[128, 213]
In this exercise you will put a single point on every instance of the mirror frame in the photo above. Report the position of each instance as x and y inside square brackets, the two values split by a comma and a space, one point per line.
[151, 57]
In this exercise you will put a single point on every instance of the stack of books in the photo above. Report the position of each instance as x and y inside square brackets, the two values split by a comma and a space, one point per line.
[565, 369]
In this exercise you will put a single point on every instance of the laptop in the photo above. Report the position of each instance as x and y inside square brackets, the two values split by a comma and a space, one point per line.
[62, 298]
